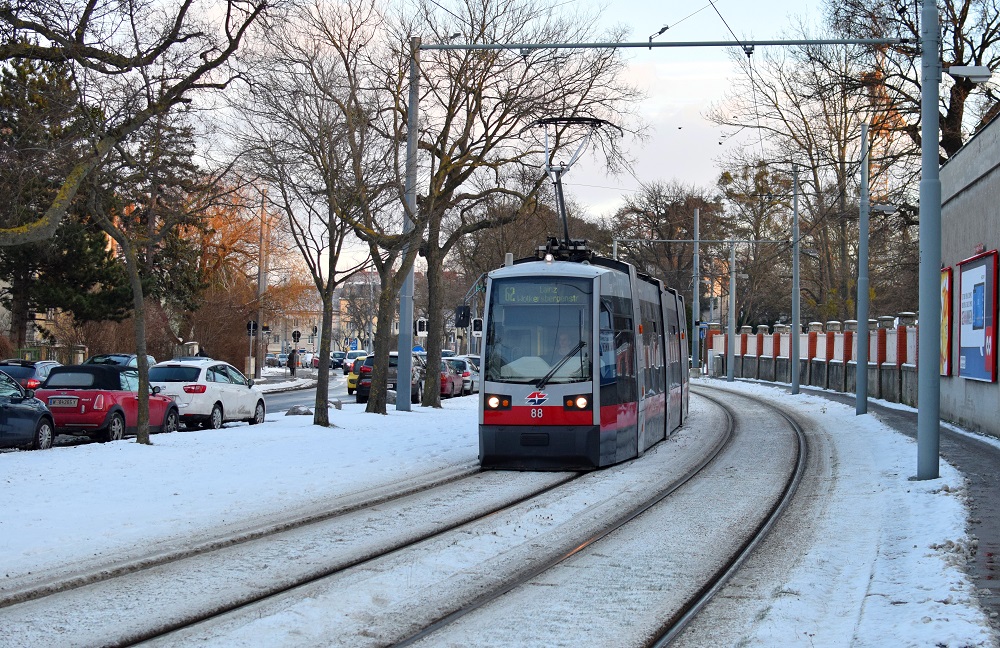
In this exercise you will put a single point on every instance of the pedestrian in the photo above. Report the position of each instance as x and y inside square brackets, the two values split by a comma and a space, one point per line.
[293, 359]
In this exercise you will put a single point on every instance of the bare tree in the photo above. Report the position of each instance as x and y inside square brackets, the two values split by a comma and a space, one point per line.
[665, 211]
[970, 36]
[797, 102]
[116, 48]
[309, 130]
[477, 107]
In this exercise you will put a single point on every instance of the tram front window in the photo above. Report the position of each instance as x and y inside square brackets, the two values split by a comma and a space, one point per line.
[539, 333]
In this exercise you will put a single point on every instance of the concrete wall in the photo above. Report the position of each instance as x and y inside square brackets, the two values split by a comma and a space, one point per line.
[970, 195]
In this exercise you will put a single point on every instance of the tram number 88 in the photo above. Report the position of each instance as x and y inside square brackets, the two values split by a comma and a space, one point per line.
[536, 412]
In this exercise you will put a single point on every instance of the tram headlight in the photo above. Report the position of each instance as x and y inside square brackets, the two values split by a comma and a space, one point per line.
[579, 402]
[497, 402]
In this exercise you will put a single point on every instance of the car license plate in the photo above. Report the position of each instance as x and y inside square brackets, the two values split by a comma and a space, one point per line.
[62, 402]
[392, 385]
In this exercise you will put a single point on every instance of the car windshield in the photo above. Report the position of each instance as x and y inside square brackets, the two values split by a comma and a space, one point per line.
[539, 331]
[174, 374]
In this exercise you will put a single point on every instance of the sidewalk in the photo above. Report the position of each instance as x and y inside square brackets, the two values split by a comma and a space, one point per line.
[977, 457]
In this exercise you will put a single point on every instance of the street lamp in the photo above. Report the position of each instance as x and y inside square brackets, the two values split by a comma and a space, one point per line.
[974, 73]
[929, 335]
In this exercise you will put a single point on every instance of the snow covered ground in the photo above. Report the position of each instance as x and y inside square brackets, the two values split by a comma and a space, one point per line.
[885, 566]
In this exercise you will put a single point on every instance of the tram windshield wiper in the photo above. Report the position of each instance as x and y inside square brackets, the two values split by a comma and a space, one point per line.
[547, 377]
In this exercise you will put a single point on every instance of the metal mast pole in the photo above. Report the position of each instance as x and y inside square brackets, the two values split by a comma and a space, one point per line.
[929, 333]
[796, 325]
[696, 302]
[731, 352]
[861, 364]
[405, 343]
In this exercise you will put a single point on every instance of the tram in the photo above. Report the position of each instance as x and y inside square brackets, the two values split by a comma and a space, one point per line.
[584, 362]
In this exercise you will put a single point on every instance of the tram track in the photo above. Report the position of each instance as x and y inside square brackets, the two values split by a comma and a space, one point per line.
[613, 592]
[46, 583]
[674, 628]
[160, 586]
[503, 567]
[385, 595]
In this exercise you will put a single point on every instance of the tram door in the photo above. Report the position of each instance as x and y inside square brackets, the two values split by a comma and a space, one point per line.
[675, 366]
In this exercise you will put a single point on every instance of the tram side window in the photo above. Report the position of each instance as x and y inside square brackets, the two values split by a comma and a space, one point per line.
[618, 366]
[607, 341]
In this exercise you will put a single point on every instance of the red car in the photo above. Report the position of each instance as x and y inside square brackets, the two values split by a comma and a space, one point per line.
[451, 380]
[102, 401]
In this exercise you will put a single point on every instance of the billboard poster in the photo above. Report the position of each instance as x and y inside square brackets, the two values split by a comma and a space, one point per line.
[945, 364]
[977, 317]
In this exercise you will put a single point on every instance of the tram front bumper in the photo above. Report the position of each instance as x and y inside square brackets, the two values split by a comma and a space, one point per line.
[556, 447]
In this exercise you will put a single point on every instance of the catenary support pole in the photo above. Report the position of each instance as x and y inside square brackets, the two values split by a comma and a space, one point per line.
[731, 352]
[861, 362]
[929, 331]
[796, 325]
[696, 302]
[405, 344]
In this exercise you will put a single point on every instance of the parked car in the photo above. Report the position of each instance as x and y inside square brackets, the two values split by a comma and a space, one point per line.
[451, 380]
[271, 360]
[209, 392]
[122, 359]
[469, 371]
[30, 373]
[447, 353]
[352, 374]
[282, 359]
[26, 422]
[337, 359]
[417, 370]
[102, 402]
[350, 358]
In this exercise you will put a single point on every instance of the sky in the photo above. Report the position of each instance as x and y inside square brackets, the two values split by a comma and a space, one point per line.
[883, 556]
[681, 84]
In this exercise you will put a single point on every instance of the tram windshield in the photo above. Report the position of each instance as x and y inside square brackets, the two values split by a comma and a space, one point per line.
[539, 331]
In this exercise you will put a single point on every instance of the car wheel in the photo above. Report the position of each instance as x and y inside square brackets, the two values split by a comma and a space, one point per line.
[418, 395]
[172, 421]
[361, 399]
[43, 435]
[214, 421]
[349, 391]
[258, 414]
[116, 428]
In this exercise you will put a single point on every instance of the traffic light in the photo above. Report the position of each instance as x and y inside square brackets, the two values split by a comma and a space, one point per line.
[477, 327]
[421, 327]
[295, 336]
[252, 328]
[462, 317]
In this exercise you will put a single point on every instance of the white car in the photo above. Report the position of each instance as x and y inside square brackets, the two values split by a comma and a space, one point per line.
[470, 372]
[208, 392]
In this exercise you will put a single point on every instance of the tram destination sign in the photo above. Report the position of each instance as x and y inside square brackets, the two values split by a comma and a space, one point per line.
[533, 293]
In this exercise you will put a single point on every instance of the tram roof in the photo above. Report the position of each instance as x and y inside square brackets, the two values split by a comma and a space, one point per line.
[552, 268]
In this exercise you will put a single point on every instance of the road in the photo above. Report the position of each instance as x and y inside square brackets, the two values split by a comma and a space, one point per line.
[282, 401]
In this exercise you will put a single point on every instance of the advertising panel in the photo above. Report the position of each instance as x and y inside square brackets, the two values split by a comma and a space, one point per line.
[945, 364]
[977, 317]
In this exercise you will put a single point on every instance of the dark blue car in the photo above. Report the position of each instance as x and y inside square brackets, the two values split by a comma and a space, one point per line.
[25, 422]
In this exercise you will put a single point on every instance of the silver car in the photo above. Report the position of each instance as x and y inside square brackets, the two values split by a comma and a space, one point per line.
[209, 392]
[469, 371]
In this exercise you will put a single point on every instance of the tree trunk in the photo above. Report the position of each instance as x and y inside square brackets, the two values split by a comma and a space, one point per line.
[386, 302]
[19, 287]
[435, 310]
[321, 415]
[139, 322]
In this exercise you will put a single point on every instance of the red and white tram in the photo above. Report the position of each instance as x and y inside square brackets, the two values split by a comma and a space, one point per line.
[584, 363]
